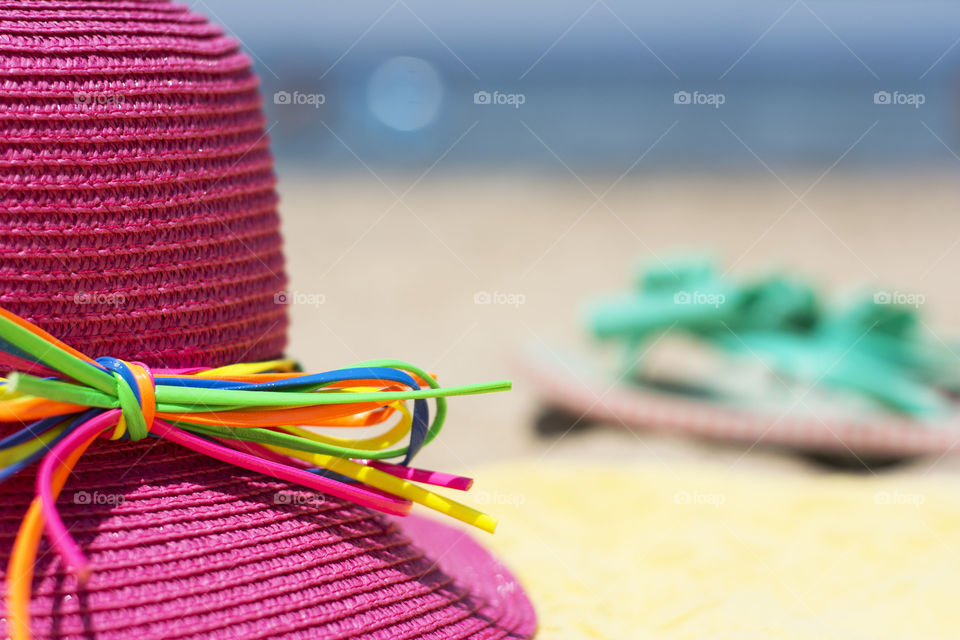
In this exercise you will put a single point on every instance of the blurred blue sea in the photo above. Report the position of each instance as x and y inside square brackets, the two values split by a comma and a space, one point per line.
[594, 85]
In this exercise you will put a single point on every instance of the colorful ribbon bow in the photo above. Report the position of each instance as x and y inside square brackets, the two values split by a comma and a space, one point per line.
[70, 400]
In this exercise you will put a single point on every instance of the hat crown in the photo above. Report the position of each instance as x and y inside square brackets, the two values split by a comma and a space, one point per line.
[138, 215]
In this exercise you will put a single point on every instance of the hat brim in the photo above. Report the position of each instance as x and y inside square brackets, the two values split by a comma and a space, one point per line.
[571, 383]
[457, 553]
[186, 546]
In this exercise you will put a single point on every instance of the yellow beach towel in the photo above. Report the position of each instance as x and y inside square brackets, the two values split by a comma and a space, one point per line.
[684, 552]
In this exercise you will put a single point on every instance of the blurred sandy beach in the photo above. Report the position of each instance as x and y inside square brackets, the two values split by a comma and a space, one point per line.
[459, 182]
[399, 266]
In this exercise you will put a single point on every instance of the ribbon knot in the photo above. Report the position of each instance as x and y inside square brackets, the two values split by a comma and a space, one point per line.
[242, 414]
[136, 394]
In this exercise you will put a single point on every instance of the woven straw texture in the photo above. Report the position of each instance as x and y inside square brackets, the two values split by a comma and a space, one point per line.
[137, 203]
[187, 547]
[138, 220]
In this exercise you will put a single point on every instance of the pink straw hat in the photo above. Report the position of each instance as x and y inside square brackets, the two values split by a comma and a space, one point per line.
[139, 221]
